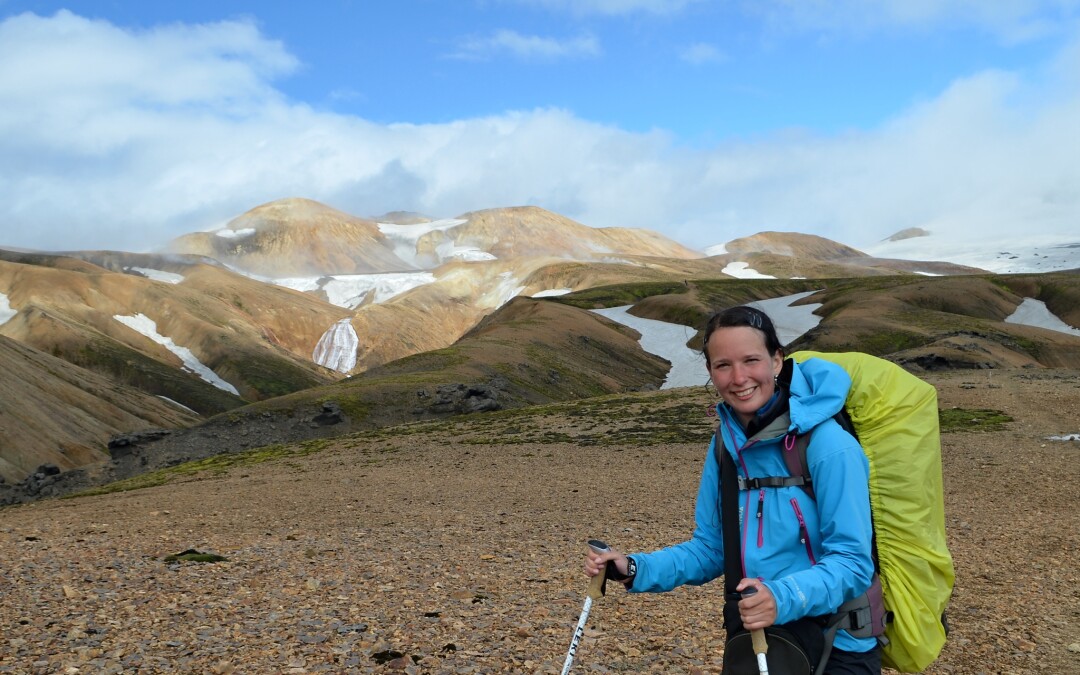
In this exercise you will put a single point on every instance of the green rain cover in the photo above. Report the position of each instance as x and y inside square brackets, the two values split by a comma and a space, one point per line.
[896, 417]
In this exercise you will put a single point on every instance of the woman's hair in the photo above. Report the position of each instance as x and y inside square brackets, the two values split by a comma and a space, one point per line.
[743, 315]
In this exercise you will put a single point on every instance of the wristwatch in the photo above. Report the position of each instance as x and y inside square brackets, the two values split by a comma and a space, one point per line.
[612, 572]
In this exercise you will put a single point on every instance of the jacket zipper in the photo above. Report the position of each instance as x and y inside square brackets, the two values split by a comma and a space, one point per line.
[804, 534]
[760, 518]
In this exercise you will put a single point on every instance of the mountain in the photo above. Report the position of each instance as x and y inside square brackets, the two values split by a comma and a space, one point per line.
[1017, 253]
[296, 237]
[192, 332]
[789, 254]
[298, 321]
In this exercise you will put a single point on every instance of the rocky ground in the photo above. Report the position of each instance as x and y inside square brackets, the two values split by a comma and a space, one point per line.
[457, 549]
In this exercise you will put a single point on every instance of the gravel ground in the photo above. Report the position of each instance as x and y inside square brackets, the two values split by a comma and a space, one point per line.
[427, 553]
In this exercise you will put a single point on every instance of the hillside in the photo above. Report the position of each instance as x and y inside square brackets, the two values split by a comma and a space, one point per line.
[57, 414]
[924, 323]
[529, 352]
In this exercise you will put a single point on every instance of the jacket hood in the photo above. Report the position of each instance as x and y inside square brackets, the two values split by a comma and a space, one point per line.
[818, 391]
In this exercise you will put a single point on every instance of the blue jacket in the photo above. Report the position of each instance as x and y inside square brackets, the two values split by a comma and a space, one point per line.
[806, 579]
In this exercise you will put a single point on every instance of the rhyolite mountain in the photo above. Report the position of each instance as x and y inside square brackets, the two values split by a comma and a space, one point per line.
[229, 332]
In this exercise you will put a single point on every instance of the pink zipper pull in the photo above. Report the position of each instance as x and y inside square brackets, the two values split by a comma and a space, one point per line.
[804, 533]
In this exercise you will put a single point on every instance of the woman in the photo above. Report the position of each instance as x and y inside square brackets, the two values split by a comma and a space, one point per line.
[788, 577]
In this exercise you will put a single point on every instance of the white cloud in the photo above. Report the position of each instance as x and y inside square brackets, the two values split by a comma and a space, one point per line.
[526, 47]
[700, 53]
[96, 151]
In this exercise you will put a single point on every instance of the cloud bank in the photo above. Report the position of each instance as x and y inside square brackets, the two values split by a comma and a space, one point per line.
[118, 138]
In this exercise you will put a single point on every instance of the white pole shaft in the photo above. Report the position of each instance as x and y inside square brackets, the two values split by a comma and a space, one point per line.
[762, 665]
[578, 632]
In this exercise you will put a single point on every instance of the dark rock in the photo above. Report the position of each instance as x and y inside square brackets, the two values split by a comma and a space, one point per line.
[331, 414]
[127, 444]
[462, 398]
[48, 470]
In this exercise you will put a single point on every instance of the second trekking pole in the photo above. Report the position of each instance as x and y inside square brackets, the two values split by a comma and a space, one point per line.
[596, 591]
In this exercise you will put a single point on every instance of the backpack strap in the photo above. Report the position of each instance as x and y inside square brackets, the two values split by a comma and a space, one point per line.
[730, 530]
[795, 446]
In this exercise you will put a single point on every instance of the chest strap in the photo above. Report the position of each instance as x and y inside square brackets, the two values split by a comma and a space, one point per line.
[772, 482]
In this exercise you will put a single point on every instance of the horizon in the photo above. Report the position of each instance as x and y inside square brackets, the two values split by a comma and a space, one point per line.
[128, 124]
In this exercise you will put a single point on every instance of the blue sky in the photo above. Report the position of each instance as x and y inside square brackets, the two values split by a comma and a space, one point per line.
[124, 123]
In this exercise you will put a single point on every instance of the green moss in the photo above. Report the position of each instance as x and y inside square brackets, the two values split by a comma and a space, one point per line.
[617, 295]
[216, 466]
[889, 342]
[267, 374]
[972, 420]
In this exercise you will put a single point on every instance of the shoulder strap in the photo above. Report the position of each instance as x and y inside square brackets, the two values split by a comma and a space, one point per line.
[729, 520]
[795, 446]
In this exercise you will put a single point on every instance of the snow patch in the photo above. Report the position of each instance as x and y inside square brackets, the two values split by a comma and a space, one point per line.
[717, 249]
[551, 292]
[142, 324]
[790, 321]
[506, 290]
[668, 341]
[448, 251]
[405, 237]
[742, 270]
[1013, 255]
[337, 347]
[6, 312]
[157, 275]
[226, 233]
[178, 405]
[351, 290]
[1032, 312]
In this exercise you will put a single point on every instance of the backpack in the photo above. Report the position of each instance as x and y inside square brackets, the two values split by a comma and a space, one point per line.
[895, 417]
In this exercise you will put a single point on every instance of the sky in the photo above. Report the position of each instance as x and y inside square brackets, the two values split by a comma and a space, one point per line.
[125, 123]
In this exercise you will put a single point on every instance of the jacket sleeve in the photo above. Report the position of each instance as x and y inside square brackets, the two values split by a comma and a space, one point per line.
[844, 565]
[698, 560]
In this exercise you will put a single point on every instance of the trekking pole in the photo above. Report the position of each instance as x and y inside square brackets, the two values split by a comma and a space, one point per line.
[757, 636]
[596, 591]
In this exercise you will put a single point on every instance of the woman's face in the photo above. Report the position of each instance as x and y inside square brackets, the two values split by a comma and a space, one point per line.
[741, 368]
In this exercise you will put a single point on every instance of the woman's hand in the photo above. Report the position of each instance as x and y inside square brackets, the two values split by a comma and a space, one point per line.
[596, 563]
[757, 610]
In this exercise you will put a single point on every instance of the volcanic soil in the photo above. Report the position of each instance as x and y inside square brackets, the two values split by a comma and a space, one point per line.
[456, 547]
